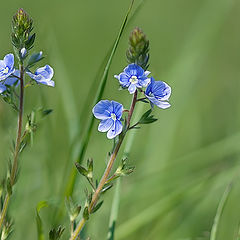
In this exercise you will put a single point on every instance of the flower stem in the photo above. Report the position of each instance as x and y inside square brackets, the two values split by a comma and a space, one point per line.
[107, 171]
[17, 146]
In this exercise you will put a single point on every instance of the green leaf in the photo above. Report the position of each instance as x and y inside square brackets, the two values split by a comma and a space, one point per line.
[86, 213]
[40, 233]
[97, 207]
[81, 169]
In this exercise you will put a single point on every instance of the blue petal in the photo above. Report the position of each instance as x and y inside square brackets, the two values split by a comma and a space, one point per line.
[161, 90]
[105, 125]
[132, 88]
[9, 61]
[149, 87]
[158, 103]
[11, 80]
[43, 75]
[103, 109]
[3, 88]
[143, 82]
[134, 70]
[115, 130]
[117, 109]
[124, 79]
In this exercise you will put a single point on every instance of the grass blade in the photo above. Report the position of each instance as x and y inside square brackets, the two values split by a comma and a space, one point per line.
[219, 212]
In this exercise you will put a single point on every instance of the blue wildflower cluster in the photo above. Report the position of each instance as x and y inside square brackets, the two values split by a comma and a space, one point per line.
[133, 78]
[9, 75]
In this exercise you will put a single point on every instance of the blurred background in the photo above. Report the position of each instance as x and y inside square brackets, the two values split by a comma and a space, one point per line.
[184, 161]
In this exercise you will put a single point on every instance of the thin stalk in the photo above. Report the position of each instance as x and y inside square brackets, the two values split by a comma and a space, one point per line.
[17, 146]
[107, 170]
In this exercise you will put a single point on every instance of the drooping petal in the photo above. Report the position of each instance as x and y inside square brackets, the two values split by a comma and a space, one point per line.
[9, 61]
[115, 130]
[134, 70]
[11, 80]
[162, 90]
[159, 103]
[103, 109]
[3, 88]
[117, 109]
[132, 88]
[43, 75]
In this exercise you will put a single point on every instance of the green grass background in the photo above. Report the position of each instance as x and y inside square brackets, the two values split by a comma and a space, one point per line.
[183, 162]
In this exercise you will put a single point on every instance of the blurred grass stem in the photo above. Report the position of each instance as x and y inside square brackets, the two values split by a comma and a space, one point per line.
[108, 169]
[17, 146]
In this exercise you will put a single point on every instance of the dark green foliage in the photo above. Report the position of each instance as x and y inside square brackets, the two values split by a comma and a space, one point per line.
[97, 207]
[86, 213]
[147, 118]
[34, 58]
[56, 233]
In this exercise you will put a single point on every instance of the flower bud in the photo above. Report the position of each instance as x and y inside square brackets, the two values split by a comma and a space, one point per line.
[138, 48]
[23, 52]
[22, 25]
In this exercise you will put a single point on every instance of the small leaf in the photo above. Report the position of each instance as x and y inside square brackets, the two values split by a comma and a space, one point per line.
[107, 187]
[81, 169]
[9, 186]
[34, 58]
[55, 234]
[97, 207]
[86, 213]
[46, 112]
[30, 41]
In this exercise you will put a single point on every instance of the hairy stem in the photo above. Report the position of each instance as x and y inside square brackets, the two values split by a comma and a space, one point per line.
[107, 171]
[17, 146]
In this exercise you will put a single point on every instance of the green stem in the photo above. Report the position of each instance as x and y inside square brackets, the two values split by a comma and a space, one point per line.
[107, 170]
[17, 147]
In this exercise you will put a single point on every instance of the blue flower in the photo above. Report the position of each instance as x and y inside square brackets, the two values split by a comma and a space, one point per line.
[6, 66]
[110, 113]
[43, 75]
[133, 77]
[158, 93]
[10, 81]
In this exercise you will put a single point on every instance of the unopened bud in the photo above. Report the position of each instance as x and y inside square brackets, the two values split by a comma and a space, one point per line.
[138, 48]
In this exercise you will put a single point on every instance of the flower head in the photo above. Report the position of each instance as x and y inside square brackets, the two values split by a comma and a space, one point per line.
[110, 113]
[6, 66]
[158, 93]
[43, 75]
[133, 77]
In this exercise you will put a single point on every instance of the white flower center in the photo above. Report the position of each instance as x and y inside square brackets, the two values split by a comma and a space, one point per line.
[113, 116]
[6, 70]
[133, 80]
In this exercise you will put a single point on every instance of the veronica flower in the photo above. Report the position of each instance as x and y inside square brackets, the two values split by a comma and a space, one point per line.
[6, 66]
[110, 113]
[158, 93]
[133, 77]
[43, 75]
